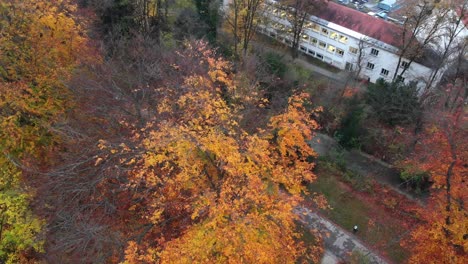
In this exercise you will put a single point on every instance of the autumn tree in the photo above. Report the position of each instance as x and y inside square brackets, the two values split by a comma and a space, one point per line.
[41, 43]
[202, 189]
[442, 152]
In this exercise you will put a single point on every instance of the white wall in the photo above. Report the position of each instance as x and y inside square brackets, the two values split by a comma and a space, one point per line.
[386, 58]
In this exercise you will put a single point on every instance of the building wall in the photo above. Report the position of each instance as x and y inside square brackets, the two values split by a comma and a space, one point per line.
[340, 47]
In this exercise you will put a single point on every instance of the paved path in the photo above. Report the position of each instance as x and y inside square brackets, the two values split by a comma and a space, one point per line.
[339, 244]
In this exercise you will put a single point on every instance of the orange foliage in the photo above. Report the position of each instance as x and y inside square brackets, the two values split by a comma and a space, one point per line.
[209, 191]
[443, 152]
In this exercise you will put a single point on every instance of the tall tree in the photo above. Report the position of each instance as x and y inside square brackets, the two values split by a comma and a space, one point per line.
[41, 43]
[298, 12]
[452, 41]
[443, 153]
[421, 29]
[181, 181]
[208, 11]
[242, 18]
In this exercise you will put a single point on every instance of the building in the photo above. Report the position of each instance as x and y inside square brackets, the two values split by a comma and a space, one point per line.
[350, 40]
[388, 5]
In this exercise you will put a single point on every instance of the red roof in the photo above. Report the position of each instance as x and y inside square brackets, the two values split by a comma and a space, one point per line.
[363, 23]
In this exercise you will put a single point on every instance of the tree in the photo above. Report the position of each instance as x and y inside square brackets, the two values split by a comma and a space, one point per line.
[442, 152]
[394, 103]
[208, 12]
[421, 28]
[122, 17]
[205, 189]
[297, 13]
[42, 42]
[242, 18]
[451, 41]
[167, 183]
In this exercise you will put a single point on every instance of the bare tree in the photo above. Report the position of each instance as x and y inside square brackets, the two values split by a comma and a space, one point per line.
[242, 18]
[297, 13]
[423, 22]
[451, 41]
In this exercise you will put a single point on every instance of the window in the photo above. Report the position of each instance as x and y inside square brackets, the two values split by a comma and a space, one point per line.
[315, 27]
[374, 52]
[404, 64]
[349, 66]
[308, 25]
[353, 50]
[273, 35]
[288, 42]
[333, 35]
[384, 72]
[343, 39]
[305, 37]
[370, 66]
[313, 41]
[325, 31]
[303, 49]
[320, 56]
[311, 52]
[331, 49]
[322, 45]
[283, 13]
[400, 79]
[339, 52]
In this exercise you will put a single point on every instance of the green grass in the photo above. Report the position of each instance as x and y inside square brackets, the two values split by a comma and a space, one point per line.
[376, 227]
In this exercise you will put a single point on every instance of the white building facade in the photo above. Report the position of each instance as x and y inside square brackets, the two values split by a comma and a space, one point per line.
[370, 49]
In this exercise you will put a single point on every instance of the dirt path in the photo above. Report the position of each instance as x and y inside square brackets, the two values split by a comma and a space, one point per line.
[339, 244]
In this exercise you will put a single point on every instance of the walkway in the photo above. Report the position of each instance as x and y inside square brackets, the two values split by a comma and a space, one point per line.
[339, 244]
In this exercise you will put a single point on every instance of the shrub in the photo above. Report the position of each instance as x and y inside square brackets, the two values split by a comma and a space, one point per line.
[415, 178]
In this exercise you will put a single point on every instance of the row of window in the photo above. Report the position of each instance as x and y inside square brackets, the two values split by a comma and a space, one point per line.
[324, 31]
[330, 48]
[318, 55]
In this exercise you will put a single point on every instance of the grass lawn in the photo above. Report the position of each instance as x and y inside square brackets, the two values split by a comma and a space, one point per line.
[377, 227]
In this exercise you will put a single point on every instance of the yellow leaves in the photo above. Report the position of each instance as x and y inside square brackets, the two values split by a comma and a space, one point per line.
[216, 187]
[156, 216]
